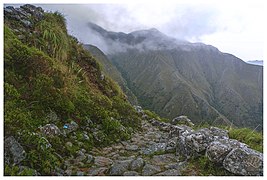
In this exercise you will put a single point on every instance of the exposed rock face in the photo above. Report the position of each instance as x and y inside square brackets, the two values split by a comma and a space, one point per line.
[50, 130]
[235, 156]
[14, 152]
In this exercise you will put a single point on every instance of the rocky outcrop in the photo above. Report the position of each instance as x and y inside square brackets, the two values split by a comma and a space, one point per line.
[14, 152]
[233, 155]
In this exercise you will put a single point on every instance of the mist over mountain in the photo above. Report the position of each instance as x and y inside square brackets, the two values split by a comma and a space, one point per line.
[171, 77]
[256, 62]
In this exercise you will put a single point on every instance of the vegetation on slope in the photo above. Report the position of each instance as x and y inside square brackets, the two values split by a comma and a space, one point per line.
[48, 71]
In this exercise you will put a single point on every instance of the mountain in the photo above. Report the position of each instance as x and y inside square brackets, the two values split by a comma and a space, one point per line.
[111, 71]
[256, 62]
[64, 116]
[174, 77]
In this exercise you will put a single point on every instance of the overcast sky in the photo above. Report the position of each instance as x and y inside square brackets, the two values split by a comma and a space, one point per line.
[231, 26]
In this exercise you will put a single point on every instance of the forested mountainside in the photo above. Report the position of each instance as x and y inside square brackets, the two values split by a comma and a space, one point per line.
[173, 77]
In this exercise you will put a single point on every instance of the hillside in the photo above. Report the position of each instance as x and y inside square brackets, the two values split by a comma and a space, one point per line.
[173, 77]
[54, 86]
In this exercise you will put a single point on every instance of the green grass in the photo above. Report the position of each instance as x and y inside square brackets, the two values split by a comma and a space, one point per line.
[202, 166]
[248, 136]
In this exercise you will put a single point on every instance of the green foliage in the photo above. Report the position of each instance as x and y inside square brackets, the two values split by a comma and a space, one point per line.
[40, 154]
[152, 115]
[17, 171]
[115, 130]
[54, 38]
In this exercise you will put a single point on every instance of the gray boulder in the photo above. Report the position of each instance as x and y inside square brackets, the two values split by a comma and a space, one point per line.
[244, 161]
[118, 168]
[102, 161]
[149, 170]
[182, 120]
[14, 152]
[137, 164]
[219, 149]
[50, 130]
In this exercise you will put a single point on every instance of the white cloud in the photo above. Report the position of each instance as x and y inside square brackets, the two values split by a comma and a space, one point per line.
[232, 26]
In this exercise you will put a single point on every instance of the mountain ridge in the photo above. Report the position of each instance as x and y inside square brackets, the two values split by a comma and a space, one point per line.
[214, 81]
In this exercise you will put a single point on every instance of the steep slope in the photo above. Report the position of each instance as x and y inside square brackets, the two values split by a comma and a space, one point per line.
[110, 70]
[55, 100]
[174, 77]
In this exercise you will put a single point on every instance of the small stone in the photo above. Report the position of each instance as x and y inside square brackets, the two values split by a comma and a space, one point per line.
[130, 173]
[163, 159]
[80, 173]
[98, 171]
[119, 168]
[137, 164]
[131, 148]
[149, 170]
[170, 172]
[102, 161]
[90, 159]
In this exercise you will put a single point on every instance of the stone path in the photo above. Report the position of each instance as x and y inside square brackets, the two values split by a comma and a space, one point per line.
[145, 154]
